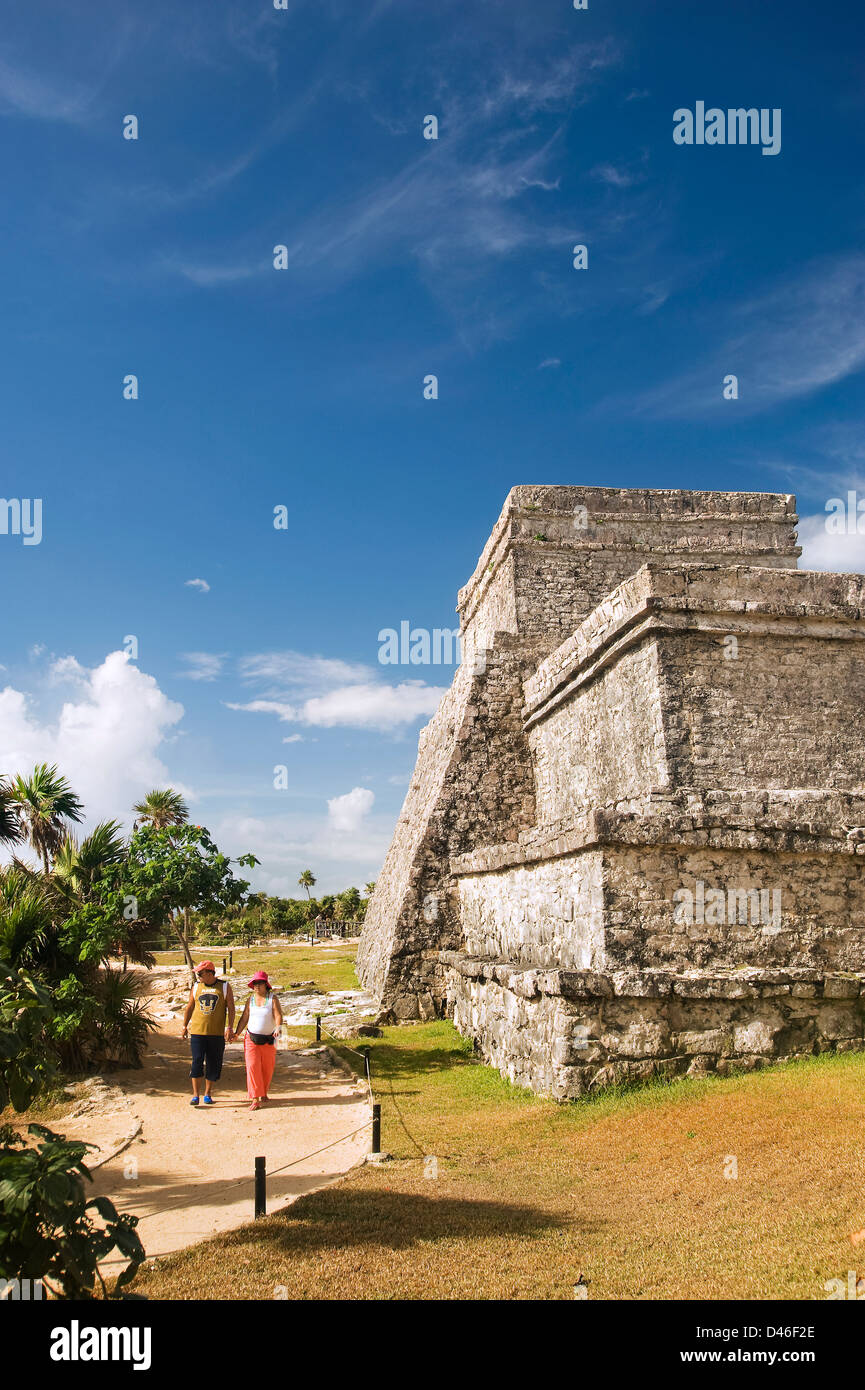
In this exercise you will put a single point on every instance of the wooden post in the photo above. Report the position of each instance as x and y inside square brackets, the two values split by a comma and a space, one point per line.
[318, 1027]
[376, 1128]
[223, 966]
[231, 960]
[260, 1187]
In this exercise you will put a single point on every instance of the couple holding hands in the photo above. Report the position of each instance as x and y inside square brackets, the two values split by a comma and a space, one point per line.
[208, 1023]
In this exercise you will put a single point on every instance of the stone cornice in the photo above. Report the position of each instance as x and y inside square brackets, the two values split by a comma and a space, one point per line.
[794, 822]
[723, 599]
[745, 982]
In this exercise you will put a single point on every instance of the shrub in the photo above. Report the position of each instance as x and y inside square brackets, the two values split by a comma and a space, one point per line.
[47, 1226]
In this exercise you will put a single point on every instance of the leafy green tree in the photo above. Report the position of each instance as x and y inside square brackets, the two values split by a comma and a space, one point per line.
[25, 1009]
[44, 802]
[179, 867]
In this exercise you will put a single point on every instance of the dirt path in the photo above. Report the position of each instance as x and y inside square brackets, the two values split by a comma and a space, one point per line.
[176, 1175]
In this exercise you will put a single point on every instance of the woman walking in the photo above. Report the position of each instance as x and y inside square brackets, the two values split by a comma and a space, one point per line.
[262, 1018]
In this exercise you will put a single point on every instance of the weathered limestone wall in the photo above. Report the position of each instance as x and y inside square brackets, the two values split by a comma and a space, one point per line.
[606, 743]
[564, 1033]
[701, 817]
[610, 904]
[472, 781]
[812, 913]
[551, 913]
[769, 717]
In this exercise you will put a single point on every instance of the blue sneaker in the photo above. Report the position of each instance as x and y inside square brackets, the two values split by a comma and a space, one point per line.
[208, 1100]
[194, 1100]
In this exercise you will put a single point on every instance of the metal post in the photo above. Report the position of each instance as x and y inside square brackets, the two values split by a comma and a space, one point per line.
[318, 1027]
[376, 1128]
[260, 1187]
[366, 1066]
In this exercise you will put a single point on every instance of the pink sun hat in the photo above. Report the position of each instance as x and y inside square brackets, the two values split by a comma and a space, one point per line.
[259, 975]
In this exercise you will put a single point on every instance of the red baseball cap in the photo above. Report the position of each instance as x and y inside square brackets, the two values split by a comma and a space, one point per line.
[205, 965]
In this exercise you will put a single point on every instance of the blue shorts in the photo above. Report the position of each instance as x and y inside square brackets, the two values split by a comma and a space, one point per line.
[207, 1054]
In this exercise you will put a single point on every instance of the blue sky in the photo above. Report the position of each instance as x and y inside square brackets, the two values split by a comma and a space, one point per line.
[303, 387]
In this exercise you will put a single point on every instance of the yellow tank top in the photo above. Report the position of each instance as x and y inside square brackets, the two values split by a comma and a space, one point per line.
[208, 1016]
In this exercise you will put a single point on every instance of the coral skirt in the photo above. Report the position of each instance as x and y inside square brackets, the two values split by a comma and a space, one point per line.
[260, 1062]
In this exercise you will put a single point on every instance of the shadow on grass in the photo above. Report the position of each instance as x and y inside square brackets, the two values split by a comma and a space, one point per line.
[340, 1219]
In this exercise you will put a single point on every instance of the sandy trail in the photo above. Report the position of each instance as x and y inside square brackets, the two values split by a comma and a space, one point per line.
[181, 1175]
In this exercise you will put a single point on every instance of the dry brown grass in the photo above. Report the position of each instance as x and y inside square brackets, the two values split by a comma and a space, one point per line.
[629, 1189]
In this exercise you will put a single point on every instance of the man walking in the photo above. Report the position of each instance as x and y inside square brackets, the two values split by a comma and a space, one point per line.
[208, 1023]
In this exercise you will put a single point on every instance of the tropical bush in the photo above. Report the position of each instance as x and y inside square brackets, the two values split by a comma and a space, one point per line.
[48, 1229]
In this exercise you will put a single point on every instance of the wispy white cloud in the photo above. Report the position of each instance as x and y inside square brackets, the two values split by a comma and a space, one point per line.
[803, 335]
[326, 693]
[200, 584]
[299, 671]
[616, 177]
[208, 276]
[496, 152]
[369, 706]
[202, 666]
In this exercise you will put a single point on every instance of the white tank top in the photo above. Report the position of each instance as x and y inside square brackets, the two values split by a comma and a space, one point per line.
[261, 1018]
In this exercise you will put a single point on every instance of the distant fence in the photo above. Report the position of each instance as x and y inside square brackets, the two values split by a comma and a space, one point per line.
[325, 928]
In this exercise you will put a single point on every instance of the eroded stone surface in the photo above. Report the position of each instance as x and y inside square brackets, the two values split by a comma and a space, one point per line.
[665, 707]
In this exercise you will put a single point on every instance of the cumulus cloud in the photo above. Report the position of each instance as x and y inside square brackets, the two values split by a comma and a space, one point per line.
[105, 740]
[345, 813]
[827, 550]
[200, 584]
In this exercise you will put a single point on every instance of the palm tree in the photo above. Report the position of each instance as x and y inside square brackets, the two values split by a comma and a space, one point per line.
[369, 888]
[349, 903]
[44, 802]
[76, 866]
[27, 929]
[162, 808]
[10, 826]
[307, 881]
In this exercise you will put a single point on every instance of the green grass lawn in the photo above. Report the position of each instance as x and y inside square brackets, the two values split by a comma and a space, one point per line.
[496, 1193]
[330, 963]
